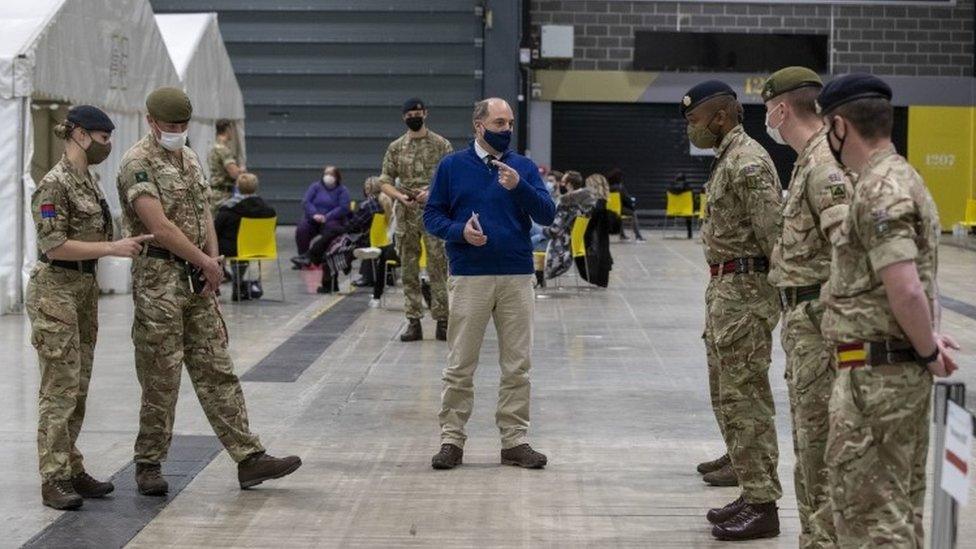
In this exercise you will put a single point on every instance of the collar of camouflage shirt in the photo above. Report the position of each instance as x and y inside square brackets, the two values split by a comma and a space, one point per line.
[807, 151]
[878, 157]
[727, 141]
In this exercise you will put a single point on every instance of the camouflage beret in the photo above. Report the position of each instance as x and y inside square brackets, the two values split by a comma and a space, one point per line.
[170, 105]
[851, 87]
[789, 79]
[709, 89]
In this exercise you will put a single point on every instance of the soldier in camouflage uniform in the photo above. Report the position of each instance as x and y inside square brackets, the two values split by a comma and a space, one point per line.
[74, 229]
[881, 318]
[177, 321]
[741, 225]
[412, 159]
[224, 167]
[816, 203]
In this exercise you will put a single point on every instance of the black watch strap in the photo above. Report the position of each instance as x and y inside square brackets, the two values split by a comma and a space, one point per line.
[926, 360]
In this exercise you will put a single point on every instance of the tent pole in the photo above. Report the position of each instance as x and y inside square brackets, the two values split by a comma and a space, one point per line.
[21, 206]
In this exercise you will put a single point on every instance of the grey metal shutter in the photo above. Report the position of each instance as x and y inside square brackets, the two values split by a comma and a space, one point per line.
[324, 80]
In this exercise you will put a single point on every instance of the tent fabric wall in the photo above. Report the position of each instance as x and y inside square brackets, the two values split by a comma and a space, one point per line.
[201, 60]
[107, 53]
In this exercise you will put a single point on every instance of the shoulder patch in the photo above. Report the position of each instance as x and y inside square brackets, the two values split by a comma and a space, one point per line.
[142, 177]
[48, 211]
[835, 177]
[837, 191]
[880, 218]
[751, 169]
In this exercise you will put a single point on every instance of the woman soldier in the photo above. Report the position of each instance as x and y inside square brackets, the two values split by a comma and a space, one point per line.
[74, 229]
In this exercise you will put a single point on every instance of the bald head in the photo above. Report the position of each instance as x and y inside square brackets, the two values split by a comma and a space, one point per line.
[491, 109]
[495, 116]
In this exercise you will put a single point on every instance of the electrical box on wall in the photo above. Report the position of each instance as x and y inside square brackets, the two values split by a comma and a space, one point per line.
[557, 42]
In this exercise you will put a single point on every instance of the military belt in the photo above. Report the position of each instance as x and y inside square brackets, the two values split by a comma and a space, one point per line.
[86, 266]
[156, 252]
[792, 296]
[740, 265]
[859, 354]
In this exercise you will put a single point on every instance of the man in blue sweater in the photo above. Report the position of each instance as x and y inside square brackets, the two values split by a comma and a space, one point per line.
[482, 202]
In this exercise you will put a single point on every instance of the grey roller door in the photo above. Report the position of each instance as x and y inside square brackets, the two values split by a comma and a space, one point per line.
[323, 80]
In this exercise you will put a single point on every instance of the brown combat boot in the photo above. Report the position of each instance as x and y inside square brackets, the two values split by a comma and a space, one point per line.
[441, 330]
[723, 477]
[714, 465]
[524, 456]
[90, 488]
[414, 331]
[723, 514]
[60, 495]
[753, 521]
[449, 457]
[149, 479]
[260, 467]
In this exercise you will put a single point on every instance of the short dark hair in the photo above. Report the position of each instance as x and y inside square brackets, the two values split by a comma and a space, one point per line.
[223, 125]
[803, 101]
[557, 174]
[872, 117]
[574, 178]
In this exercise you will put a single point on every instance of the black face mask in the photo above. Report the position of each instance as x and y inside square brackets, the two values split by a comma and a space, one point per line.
[836, 153]
[415, 123]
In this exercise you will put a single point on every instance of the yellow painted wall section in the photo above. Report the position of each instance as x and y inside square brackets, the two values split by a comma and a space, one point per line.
[601, 86]
[941, 147]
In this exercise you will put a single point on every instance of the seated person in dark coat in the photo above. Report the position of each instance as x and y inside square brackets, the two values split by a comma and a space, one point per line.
[228, 224]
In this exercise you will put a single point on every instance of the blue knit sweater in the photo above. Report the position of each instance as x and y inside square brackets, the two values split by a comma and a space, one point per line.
[464, 184]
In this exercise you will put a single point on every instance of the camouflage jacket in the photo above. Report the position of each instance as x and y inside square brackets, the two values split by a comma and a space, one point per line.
[414, 160]
[742, 211]
[148, 169]
[218, 158]
[892, 218]
[816, 202]
[69, 205]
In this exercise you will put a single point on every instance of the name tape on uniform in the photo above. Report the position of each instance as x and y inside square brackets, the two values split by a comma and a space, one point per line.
[957, 469]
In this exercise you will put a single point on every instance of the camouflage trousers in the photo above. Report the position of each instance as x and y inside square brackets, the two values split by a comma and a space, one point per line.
[63, 309]
[173, 326]
[742, 311]
[410, 231]
[809, 379]
[876, 453]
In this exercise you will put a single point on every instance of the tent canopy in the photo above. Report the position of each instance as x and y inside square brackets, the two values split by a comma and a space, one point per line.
[198, 53]
[107, 53]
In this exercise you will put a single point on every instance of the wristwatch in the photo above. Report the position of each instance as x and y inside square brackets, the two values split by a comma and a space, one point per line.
[926, 360]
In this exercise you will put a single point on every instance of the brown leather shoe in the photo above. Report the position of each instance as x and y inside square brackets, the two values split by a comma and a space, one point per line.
[149, 479]
[60, 495]
[414, 331]
[524, 456]
[708, 466]
[723, 477]
[753, 521]
[89, 488]
[449, 457]
[260, 467]
[441, 330]
[722, 514]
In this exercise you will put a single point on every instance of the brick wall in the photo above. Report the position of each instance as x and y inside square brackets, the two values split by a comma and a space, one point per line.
[884, 40]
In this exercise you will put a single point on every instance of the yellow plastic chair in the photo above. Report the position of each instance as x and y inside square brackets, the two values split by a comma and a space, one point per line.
[577, 243]
[970, 220]
[615, 204]
[256, 241]
[678, 205]
[378, 231]
[423, 254]
[353, 206]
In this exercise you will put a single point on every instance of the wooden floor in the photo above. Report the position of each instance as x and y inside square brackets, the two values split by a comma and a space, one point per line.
[620, 405]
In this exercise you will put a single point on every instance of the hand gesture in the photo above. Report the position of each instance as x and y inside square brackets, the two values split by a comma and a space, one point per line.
[422, 196]
[507, 177]
[128, 247]
[473, 234]
[406, 200]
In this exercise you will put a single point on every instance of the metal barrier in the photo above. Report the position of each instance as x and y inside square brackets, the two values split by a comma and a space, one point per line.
[945, 510]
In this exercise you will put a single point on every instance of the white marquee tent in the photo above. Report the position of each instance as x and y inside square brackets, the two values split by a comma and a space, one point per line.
[107, 53]
[198, 53]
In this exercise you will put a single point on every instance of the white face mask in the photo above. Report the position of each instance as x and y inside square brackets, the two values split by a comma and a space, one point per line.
[329, 180]
[774, 132]
[172, 141]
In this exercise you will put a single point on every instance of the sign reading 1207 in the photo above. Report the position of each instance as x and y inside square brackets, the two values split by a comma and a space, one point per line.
[940, 160]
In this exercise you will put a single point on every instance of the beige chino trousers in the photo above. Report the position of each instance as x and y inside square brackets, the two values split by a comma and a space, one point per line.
[474, 300]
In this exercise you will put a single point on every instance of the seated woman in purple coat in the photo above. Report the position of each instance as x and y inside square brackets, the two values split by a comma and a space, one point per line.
[326, 206]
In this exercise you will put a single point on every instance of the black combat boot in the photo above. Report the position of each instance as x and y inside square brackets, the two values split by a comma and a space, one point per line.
[723, 514]
[723, 477]
[753, 521]
[449, 457]
[149, 479]
[524, 456]
[414, 331]
[714, 465]
[260, 467]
